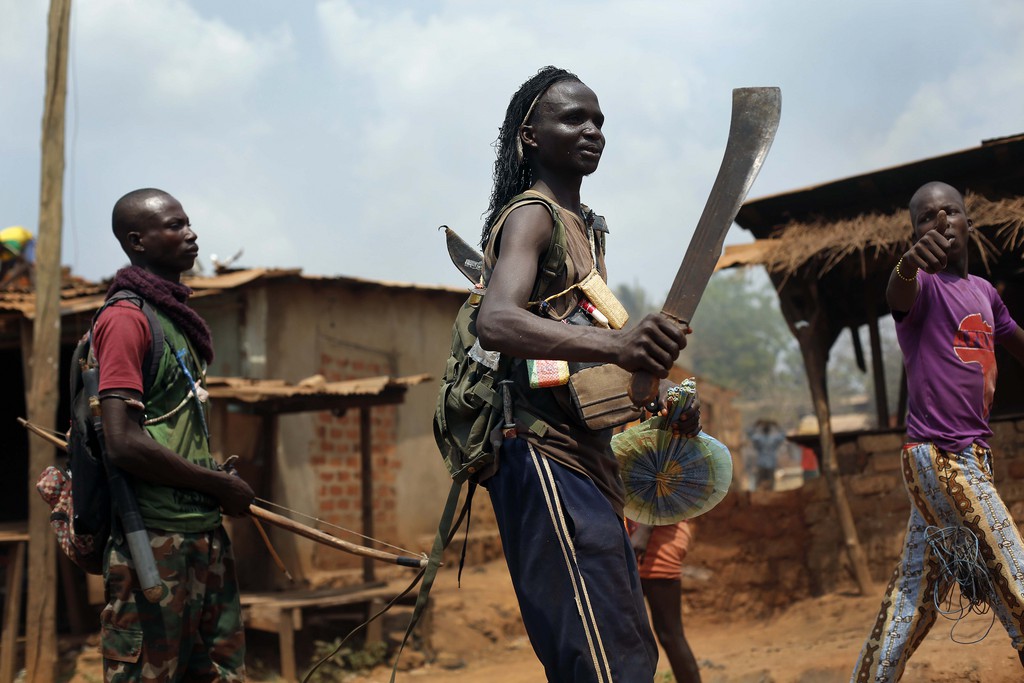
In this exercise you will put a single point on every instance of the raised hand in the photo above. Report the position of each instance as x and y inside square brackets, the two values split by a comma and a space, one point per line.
[930, 253]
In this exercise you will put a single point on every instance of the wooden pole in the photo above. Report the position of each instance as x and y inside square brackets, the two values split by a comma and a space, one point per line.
[43, 392]
[366, 488]
[333, 542]
[12, 609]
[877, 365]
[815, 364]
[809, 325]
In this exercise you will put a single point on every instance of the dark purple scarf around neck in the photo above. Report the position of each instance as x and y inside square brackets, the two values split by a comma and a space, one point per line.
[170, 298]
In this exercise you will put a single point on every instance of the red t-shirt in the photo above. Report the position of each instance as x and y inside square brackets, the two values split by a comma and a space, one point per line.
[121, 338]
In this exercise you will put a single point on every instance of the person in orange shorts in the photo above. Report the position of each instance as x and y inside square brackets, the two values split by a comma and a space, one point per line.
[660, 551]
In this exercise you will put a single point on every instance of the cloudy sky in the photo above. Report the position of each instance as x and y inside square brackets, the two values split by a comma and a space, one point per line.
[337, 135]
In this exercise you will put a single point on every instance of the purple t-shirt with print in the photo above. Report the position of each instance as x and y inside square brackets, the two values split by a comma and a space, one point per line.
[948, 341]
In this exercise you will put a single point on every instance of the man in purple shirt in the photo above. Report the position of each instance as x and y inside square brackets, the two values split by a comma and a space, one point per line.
[947, 323]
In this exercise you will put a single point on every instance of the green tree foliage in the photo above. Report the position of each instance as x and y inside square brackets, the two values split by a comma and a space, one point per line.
[741, 342]
[740, 339]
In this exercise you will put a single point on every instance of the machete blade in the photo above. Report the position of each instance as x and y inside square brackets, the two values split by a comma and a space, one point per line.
[466, 258]
[755, 118]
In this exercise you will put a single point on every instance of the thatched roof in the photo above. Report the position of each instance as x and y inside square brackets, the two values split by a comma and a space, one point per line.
[995, 170]
[823, 243]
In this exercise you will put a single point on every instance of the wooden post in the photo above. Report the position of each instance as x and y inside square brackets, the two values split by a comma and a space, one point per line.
[286, 644]
[807, 321]
[815, 363]
[12, 608]
[43, 392]
[858, 348]
[366, 474]
[877, 364]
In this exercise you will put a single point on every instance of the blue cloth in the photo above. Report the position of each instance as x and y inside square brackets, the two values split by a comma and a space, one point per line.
[29, 252]
[573, 570]
[766, 446]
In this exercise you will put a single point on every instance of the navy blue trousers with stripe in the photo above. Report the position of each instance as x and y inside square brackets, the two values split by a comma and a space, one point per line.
[573, 570]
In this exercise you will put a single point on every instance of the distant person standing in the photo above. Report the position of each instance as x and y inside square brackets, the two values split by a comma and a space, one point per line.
[766, 437]
[17, 255]
[809, 463]
[660, 551]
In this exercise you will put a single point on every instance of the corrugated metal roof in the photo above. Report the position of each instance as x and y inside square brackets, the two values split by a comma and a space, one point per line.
[255, 390]
[311, 394]
[233, 279]
[81, 296]
[238, 278]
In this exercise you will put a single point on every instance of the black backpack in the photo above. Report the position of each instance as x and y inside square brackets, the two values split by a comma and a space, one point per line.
[90, 492]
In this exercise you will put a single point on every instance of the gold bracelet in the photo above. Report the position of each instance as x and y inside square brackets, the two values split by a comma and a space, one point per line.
[903, 277]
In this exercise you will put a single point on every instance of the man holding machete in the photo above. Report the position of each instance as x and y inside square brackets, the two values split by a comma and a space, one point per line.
[557, 495]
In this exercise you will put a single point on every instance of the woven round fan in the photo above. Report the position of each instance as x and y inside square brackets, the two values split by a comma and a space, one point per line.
[669, 477]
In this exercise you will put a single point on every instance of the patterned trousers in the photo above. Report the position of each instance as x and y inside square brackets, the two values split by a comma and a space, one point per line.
[948, 491]
[194, 633]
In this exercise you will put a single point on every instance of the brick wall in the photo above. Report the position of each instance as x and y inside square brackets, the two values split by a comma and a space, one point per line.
[335, 458]
[881, 507]
[759, 551]
[749, 554]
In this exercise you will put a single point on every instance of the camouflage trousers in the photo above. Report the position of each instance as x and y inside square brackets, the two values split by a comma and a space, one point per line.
[952, 493]
[194, 633]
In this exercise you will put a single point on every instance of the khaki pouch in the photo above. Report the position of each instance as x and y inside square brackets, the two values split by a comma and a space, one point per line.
[597, 292]
[600, 395]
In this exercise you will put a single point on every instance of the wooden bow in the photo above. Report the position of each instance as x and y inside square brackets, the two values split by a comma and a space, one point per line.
[278, 520]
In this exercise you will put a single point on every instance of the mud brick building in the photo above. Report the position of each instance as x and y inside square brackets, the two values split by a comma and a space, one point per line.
[327, 362]
[829, 250]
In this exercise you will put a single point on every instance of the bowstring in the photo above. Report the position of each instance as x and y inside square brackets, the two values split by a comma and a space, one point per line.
[285, 508]
[317, 520]
[309, 674]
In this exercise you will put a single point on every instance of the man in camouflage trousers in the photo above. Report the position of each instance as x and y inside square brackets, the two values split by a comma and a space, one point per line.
[159, 438]
[204, 573]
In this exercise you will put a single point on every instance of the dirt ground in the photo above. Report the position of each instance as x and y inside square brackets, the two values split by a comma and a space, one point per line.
[477, 636]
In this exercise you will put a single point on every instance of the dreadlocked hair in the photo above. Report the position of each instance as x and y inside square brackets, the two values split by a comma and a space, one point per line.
[511, 170]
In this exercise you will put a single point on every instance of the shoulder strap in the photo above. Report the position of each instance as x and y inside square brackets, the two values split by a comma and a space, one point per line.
[151, 361]
[554, 261]
[446, 530]
[554, 258]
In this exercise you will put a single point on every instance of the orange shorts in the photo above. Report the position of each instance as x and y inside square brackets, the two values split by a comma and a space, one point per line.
[666, 551]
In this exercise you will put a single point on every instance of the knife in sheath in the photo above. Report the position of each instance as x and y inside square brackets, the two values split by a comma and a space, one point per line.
[466, 258]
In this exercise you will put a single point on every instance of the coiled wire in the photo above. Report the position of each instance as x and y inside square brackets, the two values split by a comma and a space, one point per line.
[958, 553]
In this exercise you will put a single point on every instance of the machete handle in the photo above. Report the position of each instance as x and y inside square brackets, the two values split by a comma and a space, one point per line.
[643, 388]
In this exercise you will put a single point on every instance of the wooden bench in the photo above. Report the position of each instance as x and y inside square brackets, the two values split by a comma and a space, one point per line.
[282, 613]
